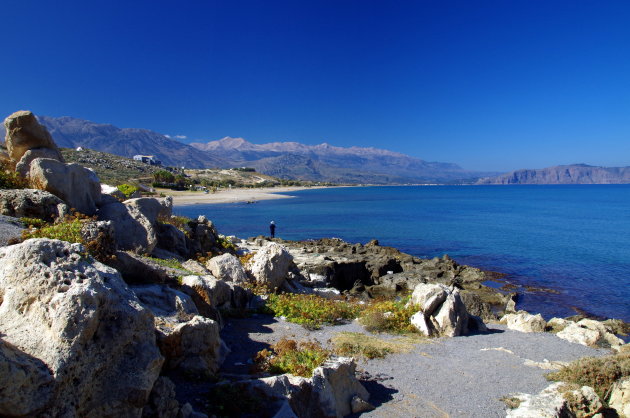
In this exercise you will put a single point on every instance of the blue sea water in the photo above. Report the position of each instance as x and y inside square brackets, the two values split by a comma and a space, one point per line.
[571, 238]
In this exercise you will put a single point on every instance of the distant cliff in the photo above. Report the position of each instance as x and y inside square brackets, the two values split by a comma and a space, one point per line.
[564, 174]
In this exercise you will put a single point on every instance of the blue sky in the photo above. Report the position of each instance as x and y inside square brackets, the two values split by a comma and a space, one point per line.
[490, 85]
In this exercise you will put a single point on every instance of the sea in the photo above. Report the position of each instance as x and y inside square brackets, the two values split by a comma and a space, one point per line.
[566, 247]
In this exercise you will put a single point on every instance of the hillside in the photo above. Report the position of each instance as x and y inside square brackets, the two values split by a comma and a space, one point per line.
[564, 174]
[72, 132]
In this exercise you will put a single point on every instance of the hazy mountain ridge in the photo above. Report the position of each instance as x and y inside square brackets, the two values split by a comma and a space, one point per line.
[327, 162]
[72, 132]
[287, 160]
[563, 174]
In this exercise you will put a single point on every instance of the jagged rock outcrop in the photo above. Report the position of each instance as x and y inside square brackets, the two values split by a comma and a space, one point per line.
[557, 400]
[591, 333]
[76, 185]
[32, 203]
[524, 322]
[24, 132]
[620, 397]
[227, 267]
[442, 311]
[270, 265]
[188, 341]
[74, 325]
[329, 393]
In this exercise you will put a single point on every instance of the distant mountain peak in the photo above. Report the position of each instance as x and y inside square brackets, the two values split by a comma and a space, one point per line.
[564, 174]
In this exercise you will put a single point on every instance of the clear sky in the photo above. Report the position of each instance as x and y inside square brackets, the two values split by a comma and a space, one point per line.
[490, 85]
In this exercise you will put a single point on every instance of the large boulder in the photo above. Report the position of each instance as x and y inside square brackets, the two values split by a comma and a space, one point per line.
[524, 322]
[270, 265]
[227, 267]
[83, 340]
[32, 203]
[591, 333]
[24, 165]
[620, 397]
[442, 312]
[133, 230]
[76, 185]
[428, 297]
[24, 132]
[152, 208]
[216, 293]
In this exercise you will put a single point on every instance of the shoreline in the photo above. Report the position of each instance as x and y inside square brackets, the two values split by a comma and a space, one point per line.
[235, 195]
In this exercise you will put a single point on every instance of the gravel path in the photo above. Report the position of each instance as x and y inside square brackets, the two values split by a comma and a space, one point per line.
[448, 377]
[9, 228]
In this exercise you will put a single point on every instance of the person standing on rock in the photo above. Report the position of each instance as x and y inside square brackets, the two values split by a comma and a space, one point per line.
[272, 229]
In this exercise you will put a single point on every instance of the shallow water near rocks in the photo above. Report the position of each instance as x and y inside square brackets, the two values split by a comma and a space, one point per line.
[573, 239]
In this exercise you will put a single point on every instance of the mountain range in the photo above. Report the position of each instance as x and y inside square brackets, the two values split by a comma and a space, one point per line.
[293, 160]
[564, 174]
[289, 160]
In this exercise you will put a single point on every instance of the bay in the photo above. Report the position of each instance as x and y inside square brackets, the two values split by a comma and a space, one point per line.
[574, 239]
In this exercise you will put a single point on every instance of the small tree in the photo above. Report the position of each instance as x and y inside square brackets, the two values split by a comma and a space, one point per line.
[163, 176]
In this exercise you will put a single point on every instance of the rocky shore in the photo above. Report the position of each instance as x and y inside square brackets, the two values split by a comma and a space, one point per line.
[115, 307]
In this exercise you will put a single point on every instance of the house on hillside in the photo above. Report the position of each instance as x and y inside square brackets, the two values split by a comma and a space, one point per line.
[147, 159]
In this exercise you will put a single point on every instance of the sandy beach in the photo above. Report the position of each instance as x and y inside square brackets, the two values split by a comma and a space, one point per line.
[185, 198]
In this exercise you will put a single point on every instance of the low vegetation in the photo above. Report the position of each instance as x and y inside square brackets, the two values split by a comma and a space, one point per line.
[310, 311]
[127, 189]
[67, 230]
[33, 222]
[170, 262]
[511, 401]
[9, 179]
[290, 356]
[389, 316]
[600, 373]
[356, 344]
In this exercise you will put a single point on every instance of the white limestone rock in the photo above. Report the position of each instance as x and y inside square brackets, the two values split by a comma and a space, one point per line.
[76, 319]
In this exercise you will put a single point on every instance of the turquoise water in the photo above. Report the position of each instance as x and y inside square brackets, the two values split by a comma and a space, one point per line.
[574, 239]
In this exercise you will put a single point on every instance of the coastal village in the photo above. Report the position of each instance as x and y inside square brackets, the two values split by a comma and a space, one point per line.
[110, 305]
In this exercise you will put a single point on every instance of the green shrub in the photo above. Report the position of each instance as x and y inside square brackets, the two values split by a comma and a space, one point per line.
[9, 179]
[33, 222]
[289, 356]
[310, 310]
[68, 230]
[163, 176]
[127, 189]
[388, 316]
[597, 372]
[226, 243]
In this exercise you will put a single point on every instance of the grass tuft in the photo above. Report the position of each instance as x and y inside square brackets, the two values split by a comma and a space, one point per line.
[388, 316]
[310, 311]
[356, 344]
[600, 373]
[290, 356]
